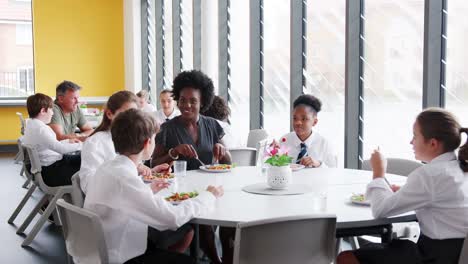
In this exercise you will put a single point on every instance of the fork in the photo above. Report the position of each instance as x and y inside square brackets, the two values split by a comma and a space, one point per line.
[201, 162]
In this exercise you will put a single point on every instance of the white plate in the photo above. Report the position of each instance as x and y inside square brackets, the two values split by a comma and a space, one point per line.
[203, 168]
[365, 202]
[296, 167]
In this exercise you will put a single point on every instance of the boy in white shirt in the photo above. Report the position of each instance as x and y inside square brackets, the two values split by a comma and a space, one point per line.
[305, 146]
[57, 165]
[143, 102]
[437, 192]
[127, 206]
[168, 107]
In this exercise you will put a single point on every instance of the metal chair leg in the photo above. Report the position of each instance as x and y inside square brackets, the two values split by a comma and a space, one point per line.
[21, 204]
[32, 215]
[26, 183]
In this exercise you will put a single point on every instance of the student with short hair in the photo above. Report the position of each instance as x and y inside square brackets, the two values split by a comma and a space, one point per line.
[306, 146]
[126, 206]
[168, 107]
[67, 115]
[57, 165]
[437, 192]
[143, 102]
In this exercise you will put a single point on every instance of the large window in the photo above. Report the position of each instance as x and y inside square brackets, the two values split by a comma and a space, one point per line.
[325, 67]
[393, 62]
[16, 50]
[456, 92]
[276, 28]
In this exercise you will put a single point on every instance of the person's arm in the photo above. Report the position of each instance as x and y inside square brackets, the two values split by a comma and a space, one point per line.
[58, 130]
[62, 147]
[161, 155]
[86, 129]
[221, 153]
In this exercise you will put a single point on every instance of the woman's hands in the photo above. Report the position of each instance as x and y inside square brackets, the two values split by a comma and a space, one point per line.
[185, 150]
[219, 151]
[378, 163]
[310, 162]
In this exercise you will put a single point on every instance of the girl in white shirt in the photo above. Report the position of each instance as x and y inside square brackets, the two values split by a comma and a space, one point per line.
[305, 146]
[437, 192]
[99, 148]
[57, 165]
[168, 107]
[126, 206]
[143, 102]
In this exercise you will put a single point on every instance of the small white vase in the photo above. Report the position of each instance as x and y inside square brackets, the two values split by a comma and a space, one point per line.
[279, 177]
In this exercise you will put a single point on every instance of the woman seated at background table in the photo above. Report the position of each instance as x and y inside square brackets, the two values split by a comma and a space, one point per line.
[305, 146]
[192, 136]
[437, 192]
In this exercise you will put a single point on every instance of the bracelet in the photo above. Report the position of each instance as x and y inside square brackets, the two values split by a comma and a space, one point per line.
[170, 155]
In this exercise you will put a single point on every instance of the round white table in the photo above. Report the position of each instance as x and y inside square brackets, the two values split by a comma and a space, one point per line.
[331, 193]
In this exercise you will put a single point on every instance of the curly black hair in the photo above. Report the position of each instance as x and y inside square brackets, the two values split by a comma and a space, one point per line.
[218, 110]
[197, 80]
[308, 100]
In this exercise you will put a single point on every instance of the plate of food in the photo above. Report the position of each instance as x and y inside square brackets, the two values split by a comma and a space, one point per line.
[296, 167]
[177, 198]
[165, 176]
[359, 198]
[217, 168]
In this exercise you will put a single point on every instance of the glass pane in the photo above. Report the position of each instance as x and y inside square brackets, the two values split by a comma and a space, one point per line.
[393, 62]
[456, 93]
[276, 14]
[187, 35]
[167, 16]
[240, 97]
[326, 66]
[16, 50]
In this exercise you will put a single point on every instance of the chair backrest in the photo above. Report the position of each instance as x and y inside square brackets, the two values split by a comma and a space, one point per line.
[255, 136]
[261, 147]
[401, 167]
[464, 252]
[32, 157]
[23, 123]
[83, 233]
[77, 195]
[244, 156]
[298, 239]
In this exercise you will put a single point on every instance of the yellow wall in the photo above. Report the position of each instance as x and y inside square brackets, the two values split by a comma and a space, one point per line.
[77, 40]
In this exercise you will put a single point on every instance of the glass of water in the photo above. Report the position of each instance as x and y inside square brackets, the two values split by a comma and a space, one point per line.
[180, 168]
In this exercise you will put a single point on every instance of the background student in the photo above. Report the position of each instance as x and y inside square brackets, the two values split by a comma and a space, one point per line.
[168, 107]
[437, 192]
[127, 206]
[144, 103]
[57, 165]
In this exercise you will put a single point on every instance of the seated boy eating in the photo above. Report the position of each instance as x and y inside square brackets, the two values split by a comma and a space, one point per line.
[127, 206]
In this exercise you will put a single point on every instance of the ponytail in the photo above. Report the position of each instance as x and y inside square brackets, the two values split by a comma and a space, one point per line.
[463, 152]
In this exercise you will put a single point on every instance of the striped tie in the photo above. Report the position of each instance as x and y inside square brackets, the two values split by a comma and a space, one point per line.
[302, 153]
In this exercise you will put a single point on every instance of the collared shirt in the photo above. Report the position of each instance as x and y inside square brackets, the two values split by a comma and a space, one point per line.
[126, 207]
[318, 148]
[174, 133]
[97, 149]
[68, 121]
[161, 117]
[50, 150]
[148, 108]
[437, 192]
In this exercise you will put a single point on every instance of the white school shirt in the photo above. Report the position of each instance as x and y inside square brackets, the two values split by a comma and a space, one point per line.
[97, 149]
[161, 117]
[437, 192]
[318, 148]
[148, 108]
[126, 207]
[50, 150]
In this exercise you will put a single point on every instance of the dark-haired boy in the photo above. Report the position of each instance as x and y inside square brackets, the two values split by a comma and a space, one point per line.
[127, 206]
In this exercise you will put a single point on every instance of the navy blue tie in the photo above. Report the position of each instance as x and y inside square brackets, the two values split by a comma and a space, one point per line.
[302, 153]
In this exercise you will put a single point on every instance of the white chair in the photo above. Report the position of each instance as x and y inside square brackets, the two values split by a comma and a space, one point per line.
[83, 233]
[261, 147]
[244, 156]
[77, 195]
[51, 194]
[256, 136]
[298, 239]
[23, 122]
[401, 167]
[464, 252]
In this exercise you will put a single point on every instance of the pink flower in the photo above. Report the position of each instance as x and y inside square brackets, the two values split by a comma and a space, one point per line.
[274, 151]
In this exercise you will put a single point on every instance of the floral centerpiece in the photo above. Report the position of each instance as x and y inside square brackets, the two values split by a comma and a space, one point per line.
[279, 173]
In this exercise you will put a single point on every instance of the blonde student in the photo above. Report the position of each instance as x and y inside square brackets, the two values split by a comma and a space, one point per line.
[304, 145]
[127, 206]
[437, 192]
[144, 103]
[99, 148]
[58, 162]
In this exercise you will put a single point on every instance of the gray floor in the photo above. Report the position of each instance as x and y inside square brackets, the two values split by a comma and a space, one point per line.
[48, 246]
